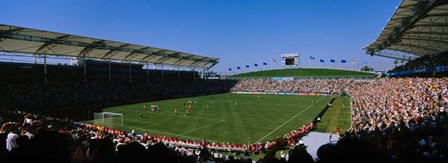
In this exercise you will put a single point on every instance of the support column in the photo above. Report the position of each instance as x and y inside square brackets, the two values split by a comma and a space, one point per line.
[45, 67]
[162, 70]
[194, 74]
[110, 71]
[85, 68]
[202, 73]
[130, 71]
[147, 71]
[178, 72]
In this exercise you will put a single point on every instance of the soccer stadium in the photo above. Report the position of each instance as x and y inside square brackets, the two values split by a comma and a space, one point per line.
[81, 83]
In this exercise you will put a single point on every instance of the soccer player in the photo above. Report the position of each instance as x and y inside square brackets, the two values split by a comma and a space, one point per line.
[331, 134]
[144, 106]
[141, 115]
[236, 103]
[338, 130]
[175, 110]
[208, 105]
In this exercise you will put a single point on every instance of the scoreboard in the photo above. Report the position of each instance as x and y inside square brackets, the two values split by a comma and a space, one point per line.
[291, 60]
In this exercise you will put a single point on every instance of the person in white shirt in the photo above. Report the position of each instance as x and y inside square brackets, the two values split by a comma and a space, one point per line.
[12, 137]
[26, 132]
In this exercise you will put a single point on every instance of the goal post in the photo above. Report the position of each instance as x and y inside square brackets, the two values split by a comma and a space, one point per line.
[108, 119]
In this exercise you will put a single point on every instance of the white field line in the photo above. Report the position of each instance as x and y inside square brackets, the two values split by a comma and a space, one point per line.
[289, 120]
[202, 127]
[178, 115]
[152, 123]
[168, 133]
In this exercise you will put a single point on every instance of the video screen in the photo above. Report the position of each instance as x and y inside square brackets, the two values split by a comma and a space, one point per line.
[289, 61]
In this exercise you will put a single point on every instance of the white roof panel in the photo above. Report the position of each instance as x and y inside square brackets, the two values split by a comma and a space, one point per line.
[416, 27]
[32, 41]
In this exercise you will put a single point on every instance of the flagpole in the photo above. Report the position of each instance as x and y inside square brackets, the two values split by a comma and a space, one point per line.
[309, 63]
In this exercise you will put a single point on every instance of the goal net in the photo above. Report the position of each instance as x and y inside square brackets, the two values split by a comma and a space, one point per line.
[108, 119]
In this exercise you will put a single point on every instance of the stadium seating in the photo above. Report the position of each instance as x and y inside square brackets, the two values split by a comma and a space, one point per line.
[425, 66]
[396, 119]
[393, 119]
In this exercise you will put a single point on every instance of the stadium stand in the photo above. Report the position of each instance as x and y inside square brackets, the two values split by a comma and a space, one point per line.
[403, 117]
[416, 29]
[68, 90]
[398, 119]
[429, 65]
[393, 119]
[304, 86]
[65, 140]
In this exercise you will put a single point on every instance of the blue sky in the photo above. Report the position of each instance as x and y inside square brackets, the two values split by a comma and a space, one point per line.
[239, 32]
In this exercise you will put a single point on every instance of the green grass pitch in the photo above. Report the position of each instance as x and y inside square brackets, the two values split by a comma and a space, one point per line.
[338, 114]
[255, 118]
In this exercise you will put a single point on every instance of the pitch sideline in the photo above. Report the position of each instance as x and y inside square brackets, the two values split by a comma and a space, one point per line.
[289, 120]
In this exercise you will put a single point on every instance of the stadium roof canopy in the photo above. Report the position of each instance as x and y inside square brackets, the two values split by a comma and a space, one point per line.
[417, 28]
[32, 41]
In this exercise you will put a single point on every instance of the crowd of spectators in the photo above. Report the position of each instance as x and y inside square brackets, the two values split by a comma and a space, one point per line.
[396, 119]
[329, 86]
[48, 139]
[427, 61]
[33, 95]
[404, 117]
[399, 119]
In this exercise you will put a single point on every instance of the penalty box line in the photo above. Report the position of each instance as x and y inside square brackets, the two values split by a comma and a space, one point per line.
[215, 119]
[168, 133]
[289, 120]
[201, 127]
[144, 121]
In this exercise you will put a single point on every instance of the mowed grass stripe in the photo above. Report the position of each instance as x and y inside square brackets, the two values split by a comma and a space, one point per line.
[286, 122]
[338, 114]
[173, 124]
[305, 117]
[252, 119]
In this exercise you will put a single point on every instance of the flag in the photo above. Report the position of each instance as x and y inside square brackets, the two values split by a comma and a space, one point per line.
[230, 69]
[343, 61]
[238, 67]
[274, 60]
[353, 61]
[311, 57]
[255, 65]
[332, 60]
[321, 60]
[264, 63]
[247, 66]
